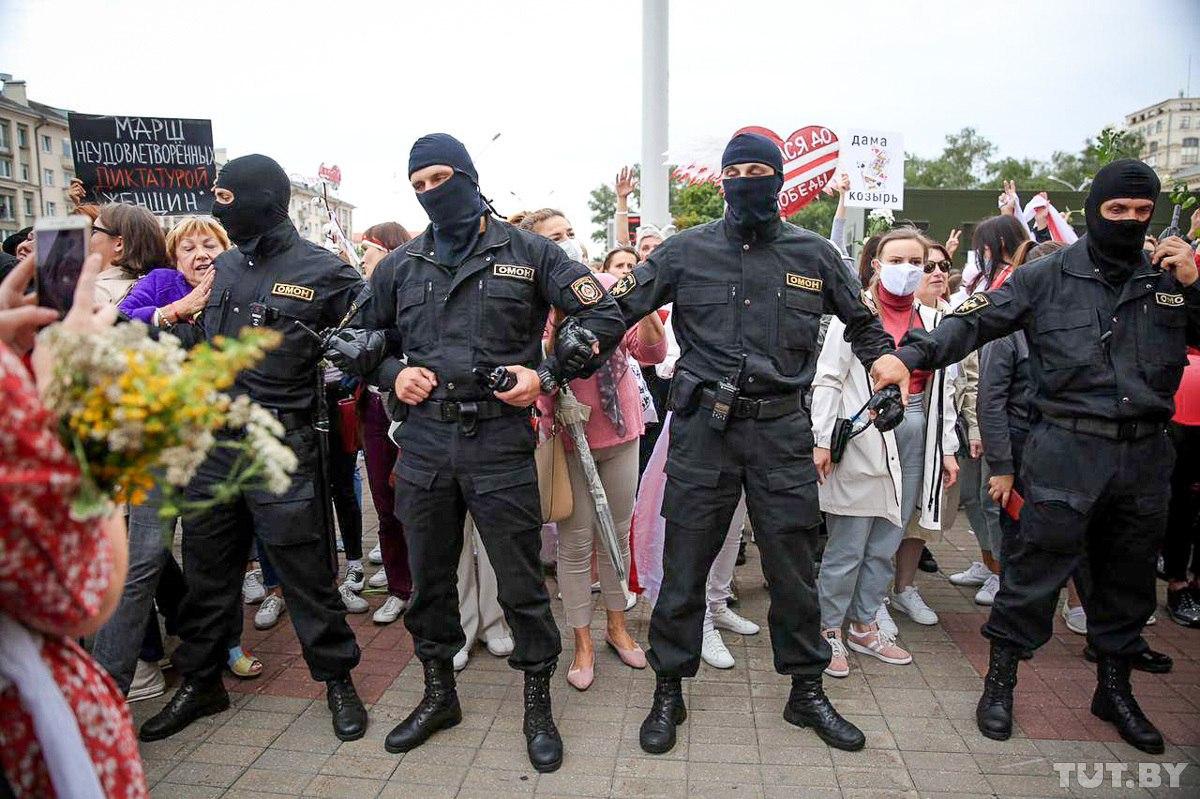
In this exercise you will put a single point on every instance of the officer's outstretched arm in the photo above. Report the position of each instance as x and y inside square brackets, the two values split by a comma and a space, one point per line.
[649, 287]
[842, 298]
[573, 289]
[979, 319]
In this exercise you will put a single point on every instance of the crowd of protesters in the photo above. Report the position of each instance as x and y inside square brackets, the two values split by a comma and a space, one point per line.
[885, 498]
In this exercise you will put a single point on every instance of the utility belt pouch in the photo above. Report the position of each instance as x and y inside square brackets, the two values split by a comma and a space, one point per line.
[722, 409]
[839, 438]
[684, 396]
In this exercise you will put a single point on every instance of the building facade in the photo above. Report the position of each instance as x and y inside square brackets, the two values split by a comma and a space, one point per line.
[35, 158]
[308, 211]
[1170, 131]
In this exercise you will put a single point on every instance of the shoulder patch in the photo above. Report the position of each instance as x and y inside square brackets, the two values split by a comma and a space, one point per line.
[624, 285]
[294, 292]
[587, 290]
[1169, 300]
[526, 273]
[803, 282]
[972, 304]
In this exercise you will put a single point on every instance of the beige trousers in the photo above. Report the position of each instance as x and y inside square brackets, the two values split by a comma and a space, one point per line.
[479, 609]
[577, 534]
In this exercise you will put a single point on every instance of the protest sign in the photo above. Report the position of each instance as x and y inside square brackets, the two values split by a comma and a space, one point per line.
[163, 164]
[874, 160]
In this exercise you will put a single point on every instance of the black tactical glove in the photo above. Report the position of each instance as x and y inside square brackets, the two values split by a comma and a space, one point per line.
[889, 411]
[574, 349]
[357, 352]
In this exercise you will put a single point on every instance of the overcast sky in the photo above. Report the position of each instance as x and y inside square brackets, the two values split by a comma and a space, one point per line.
[354, 83]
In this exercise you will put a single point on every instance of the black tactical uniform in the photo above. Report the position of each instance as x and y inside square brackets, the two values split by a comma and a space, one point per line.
[462, 450]
[274, 279]
[747, 307]
[1105, 358]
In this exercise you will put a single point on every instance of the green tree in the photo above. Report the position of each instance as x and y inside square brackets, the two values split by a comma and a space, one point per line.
[963, 163]
[817, 216]
[602, 204]
[697, 204]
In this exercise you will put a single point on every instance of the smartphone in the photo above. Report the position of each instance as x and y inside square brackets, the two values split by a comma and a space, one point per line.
[1014, 505]
[62, 247]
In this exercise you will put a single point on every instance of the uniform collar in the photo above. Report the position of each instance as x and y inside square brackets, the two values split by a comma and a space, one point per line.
[735, 233]
[272, 241]
[1078, 263]
[494, 235]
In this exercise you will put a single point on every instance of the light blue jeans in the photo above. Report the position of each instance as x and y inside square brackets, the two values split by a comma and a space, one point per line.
[982, 512]
[856, 567]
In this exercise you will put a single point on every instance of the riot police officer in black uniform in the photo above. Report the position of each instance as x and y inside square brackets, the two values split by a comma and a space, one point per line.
[273, 279]
[749, 291]
[1108, 329]
[469, 295]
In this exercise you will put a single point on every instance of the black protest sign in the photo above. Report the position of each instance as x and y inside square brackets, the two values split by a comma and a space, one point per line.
[163, 164]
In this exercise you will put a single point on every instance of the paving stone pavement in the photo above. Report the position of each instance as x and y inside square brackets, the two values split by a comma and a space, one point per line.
[919, 720]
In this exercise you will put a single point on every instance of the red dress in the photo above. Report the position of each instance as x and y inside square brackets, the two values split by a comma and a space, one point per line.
[53, 571]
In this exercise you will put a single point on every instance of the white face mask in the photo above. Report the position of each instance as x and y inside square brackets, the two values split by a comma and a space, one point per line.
[572, 249]
[900, 279]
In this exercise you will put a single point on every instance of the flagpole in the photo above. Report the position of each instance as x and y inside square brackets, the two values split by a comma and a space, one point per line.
[655, 80]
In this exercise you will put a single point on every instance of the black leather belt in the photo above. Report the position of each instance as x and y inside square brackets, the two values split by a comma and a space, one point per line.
[460, 411]
[1130, 430]
[747, 408]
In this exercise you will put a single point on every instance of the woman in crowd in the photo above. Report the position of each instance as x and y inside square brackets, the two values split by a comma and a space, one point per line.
[130, 244]
[380, 453]
[168, 298]
[612, 431]
[1181, 549]
[619, 261]
[995, 242]
[882, 479]
[64, 728]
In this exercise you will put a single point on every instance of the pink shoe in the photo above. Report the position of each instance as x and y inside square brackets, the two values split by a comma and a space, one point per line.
[878, 644]
[633, 658]
[581, 678]
[839, 664]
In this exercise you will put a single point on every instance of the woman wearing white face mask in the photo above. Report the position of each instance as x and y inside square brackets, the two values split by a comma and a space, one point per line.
[883, 479]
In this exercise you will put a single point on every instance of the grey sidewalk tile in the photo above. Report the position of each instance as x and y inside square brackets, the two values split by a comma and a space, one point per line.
[329, 786]
[789, 755]
[797, 792]
[508, 759]
[951, 781]
[723, 772]
[931, 742]
[650, 767]
[426, 771]
[262, 720]
[224, 754]
[1032, 765]
[559, 784]
[378, 767]
[316, 743]
[940, 761]
[644, 788]
[1074, 750]
[1024, 785]
[497, 782]
[723, 753]
[279, 704]
[291, 760]
[807, 776]
[725, 790]
[890, 778]
[261, 780]
[240, 737]
[168, 790]
[209, 774]
[400, 790]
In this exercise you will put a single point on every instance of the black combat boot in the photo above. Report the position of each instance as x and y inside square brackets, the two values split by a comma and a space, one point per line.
[807, 706]
[195, 699]
[542, 741]
[349, 715]
[1114, 702]
[994, 713]
[437, 710]
[667, 711]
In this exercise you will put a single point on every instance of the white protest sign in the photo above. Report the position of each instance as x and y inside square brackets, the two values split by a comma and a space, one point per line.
[874, 160]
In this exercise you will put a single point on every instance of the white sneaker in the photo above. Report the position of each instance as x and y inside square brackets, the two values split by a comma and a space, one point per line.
[1152, 620]
[376, 555]
[1076, 618]
[909, 602]
[461, 658]
[269, 612]
[976, 574]
[355, 579]
[253, 590]
[501, 647]
[378, 579]
[884, 619]
[148, 682]
[630, 601]
[987, 594]
[714, 652]
[839, 664]
[353, 602]
[726, 619]
[390, 610]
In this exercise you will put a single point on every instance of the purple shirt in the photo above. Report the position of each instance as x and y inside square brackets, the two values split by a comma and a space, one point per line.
[157, 288]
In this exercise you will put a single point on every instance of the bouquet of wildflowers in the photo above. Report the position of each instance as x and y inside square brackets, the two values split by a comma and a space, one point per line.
[136, 411]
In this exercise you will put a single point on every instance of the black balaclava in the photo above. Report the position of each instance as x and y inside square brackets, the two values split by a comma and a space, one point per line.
[753, 202]
[1116, 246]
[261, 190]
[456, 205]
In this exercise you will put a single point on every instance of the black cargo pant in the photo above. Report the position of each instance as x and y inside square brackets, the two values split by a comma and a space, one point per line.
[1092, 505]
[706, 472]
[442, 474]
[290, 528]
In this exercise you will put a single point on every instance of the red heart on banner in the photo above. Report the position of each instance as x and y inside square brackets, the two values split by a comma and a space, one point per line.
[810, 157]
